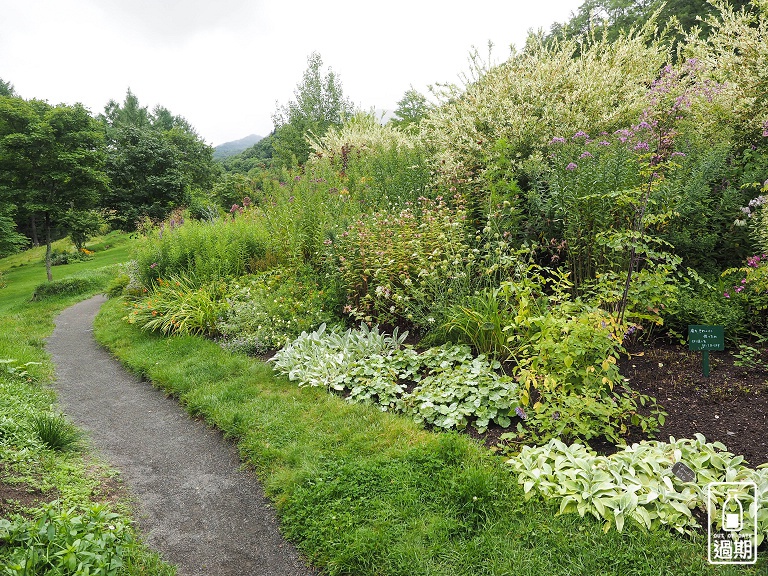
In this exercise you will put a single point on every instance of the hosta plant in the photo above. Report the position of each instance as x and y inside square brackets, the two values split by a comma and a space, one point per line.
[637, 483]
[322, 358]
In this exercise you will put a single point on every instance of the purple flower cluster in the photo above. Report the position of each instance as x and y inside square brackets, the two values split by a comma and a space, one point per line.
[754, 261]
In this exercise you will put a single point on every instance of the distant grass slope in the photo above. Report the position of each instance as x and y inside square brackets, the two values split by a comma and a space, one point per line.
[363, 492]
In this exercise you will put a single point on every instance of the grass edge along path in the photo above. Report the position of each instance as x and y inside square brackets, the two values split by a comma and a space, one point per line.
[75, 480]
[365, 492]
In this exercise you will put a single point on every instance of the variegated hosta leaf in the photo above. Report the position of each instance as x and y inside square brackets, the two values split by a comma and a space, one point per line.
[637, 482]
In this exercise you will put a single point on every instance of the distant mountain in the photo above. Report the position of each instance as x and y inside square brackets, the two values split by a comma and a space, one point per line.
[235, 147]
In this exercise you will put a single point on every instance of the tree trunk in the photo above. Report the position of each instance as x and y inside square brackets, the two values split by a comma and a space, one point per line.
[33, 222]
[48, 246]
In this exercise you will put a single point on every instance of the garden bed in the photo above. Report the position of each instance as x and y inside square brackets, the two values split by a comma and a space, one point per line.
[729, 406]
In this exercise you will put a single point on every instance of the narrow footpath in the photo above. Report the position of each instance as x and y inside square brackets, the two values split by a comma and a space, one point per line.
[195, 505]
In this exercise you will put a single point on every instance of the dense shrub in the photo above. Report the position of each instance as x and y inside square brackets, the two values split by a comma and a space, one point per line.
[381, 165]
[705, 303]
[77, 284]
[399, 269]
[60, 257]
[544, 91]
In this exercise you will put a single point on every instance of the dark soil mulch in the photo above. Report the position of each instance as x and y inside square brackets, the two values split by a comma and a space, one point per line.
[16, 497]
[729, 406]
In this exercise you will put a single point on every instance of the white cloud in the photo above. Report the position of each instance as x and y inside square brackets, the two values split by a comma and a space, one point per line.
[223, 65]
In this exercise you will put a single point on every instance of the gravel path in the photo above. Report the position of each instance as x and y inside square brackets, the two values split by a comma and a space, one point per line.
[195, 506]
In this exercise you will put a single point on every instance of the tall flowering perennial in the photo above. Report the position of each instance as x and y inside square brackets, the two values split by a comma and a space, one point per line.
[749, 287]
[610, 194]
[671, 98]
[599, 186]
[392, 263]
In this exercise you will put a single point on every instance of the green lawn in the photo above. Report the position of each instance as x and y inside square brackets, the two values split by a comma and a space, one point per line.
[365, 492]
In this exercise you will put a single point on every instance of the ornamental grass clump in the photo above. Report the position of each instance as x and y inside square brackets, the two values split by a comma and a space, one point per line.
[56, 432]
[180, 305]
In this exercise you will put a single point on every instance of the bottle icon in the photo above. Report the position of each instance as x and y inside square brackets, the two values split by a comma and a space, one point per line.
[733, 516]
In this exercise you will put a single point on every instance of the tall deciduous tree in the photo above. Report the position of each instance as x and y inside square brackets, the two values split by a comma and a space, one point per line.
[51, 160]
[6, 88]
[411, 108]
[617, 16]
[157, 161]
[319, 104]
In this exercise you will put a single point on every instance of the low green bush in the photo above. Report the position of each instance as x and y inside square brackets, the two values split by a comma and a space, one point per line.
[705, 304]
[118, 285]
[65, 287]
[65, 541]
[59, 258]
[266, 311]
[80, 283]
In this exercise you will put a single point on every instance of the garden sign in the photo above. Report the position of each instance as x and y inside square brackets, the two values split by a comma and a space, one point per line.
[704, 339]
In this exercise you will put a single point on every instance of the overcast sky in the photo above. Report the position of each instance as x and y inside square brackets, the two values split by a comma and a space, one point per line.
[224, 64]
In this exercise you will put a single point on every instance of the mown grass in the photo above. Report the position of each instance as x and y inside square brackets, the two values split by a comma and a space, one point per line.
[364, 492]
[75, 477]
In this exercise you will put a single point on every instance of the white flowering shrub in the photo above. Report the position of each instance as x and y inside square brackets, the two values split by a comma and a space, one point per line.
[537, 94]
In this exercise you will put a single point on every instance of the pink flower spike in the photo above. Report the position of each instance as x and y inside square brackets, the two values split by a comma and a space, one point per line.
[726, 294]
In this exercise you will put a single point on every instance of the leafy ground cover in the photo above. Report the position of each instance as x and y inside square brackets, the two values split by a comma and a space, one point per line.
[363, 491]
[61, 510]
